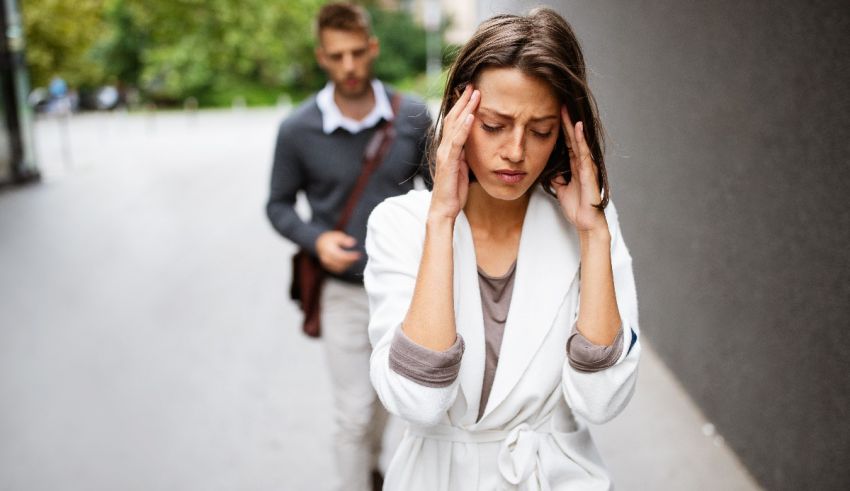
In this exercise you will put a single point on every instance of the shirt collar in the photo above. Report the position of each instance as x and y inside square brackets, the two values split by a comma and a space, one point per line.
[332, 117]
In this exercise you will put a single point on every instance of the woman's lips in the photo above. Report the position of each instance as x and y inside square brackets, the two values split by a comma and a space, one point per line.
[510, 176]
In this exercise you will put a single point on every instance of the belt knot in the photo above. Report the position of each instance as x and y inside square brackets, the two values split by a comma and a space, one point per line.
[518, 456]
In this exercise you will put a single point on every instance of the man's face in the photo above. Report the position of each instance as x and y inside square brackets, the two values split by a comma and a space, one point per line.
[347, 57]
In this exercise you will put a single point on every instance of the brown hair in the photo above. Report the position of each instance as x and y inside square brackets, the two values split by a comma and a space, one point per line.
[542, 45]
[345, 17]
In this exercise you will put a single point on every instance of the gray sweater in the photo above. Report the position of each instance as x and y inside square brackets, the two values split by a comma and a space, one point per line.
[326, 168]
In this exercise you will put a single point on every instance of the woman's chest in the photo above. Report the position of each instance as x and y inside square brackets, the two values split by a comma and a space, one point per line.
[495, 256]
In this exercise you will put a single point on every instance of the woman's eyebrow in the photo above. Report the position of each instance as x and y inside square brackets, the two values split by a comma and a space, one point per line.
[493, 112]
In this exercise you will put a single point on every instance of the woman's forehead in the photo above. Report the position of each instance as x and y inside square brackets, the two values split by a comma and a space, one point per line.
[510, 93]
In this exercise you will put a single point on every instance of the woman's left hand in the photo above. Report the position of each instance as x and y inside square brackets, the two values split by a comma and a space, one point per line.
[578, 196]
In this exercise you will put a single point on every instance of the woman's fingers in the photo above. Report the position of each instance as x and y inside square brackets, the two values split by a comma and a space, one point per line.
[569, 131]
[459, 105]
[459, 137]
[584, 157]
[463, 168]
[580, 157]
[461, 129]
[589, 180]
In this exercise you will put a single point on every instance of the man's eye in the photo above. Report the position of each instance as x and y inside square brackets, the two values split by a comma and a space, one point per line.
[490, 129]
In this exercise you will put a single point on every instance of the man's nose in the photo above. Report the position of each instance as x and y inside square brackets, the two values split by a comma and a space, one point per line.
[348, 62]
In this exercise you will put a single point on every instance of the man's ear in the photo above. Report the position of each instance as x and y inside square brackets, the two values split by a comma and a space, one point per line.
[320, 56]
[374, 47]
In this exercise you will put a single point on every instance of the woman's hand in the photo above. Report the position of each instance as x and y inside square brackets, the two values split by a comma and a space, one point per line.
[578, 196]
[451, 176]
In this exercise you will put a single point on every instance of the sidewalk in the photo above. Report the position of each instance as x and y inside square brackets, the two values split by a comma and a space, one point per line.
[148, 344]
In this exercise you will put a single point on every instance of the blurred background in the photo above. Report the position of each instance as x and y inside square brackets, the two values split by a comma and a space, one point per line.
[147, 341]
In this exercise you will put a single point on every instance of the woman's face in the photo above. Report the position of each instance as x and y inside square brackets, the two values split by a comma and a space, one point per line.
[515, 129]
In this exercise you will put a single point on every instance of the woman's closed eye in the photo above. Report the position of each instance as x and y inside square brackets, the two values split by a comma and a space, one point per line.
[490, 128]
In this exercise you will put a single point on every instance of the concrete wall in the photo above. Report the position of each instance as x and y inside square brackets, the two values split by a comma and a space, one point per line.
[729, 156]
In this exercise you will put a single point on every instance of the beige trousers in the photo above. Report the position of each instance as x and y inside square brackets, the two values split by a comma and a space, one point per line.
[359, 417]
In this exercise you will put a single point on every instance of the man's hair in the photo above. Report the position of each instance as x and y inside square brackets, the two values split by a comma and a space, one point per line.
[345, 17]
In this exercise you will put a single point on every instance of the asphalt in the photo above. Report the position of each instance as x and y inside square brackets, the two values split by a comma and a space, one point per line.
[147, 342]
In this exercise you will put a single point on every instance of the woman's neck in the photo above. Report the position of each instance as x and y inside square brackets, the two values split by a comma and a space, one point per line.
[491, 216]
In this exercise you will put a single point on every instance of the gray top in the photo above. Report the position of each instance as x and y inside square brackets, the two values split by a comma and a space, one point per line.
[440, 368]
[496, 294]
[326, 168]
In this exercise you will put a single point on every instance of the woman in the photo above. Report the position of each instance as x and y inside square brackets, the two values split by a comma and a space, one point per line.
[487, 339]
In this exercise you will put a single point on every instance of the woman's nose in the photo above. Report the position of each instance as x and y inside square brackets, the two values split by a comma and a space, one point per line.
[514, 151]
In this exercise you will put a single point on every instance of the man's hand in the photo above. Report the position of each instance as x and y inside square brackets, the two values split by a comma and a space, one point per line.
[332, 246]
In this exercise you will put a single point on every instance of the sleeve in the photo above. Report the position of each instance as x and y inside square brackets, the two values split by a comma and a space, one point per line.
[600, 395]
[394, 242]
[585, 356]
[288, 177]
[422, 365]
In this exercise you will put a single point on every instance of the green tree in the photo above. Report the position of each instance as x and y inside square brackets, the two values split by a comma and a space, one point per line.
[403, 51]
[212, 50]
[59, 35]
[122, 42]
[207, 49]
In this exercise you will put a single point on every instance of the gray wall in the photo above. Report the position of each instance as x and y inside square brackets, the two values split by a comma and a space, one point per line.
[728, 125]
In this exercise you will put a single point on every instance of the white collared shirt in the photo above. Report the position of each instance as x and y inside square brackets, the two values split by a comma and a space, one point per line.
[332, 117]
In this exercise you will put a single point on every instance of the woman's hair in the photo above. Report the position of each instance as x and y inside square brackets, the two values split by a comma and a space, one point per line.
[541, 45]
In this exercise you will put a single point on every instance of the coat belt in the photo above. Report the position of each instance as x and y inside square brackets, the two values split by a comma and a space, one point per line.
[518, 461]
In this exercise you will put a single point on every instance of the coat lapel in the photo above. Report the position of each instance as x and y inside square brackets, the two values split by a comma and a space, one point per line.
[547, 262]
[468, 317]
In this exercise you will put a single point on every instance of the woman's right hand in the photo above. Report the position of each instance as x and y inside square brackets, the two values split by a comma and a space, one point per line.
[451, 175]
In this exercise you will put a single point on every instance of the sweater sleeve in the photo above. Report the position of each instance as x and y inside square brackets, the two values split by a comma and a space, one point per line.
[394, 242]
[586, 356]
[422, 365]
[598, 396]
[288, 177]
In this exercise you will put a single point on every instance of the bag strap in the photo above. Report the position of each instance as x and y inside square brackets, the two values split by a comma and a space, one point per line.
[373, 155]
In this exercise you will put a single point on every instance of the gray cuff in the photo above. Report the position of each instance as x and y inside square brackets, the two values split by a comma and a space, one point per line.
[422, 365]
[585, 356]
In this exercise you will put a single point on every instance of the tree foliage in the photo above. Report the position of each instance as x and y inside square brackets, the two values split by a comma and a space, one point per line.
[402, 44]
[212, 50]
[59, 35]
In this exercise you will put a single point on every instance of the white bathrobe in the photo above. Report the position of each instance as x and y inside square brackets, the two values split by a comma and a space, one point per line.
[532, 434]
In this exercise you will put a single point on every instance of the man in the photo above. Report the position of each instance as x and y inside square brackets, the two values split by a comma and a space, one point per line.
[320, 151]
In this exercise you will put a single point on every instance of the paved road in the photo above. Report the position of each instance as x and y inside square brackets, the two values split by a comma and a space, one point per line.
[147, 343]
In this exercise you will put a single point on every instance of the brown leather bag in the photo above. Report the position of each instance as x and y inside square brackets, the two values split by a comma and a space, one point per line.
[308, 275]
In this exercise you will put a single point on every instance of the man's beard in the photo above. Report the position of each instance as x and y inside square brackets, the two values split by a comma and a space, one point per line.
[349, 91]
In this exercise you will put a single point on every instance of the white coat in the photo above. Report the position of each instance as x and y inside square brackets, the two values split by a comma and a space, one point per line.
[532, 434]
